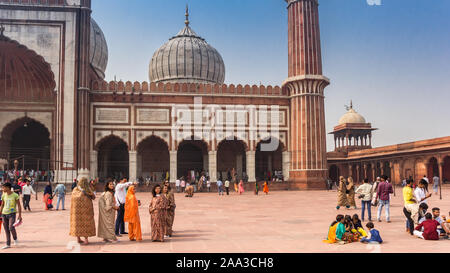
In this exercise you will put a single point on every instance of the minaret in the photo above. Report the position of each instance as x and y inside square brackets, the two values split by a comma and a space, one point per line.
[82, 97]
[306, 85]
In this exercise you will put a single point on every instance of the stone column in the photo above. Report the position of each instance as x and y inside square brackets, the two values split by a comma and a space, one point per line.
[373, 171]
[133, 166]
[286, 165]
[366, 175]
[357, 180]
[173, 166]
[212, 168]
[94, 164]
[251, 166]
[350, 171]
[239, 168]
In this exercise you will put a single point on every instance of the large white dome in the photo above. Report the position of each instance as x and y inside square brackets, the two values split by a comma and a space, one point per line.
[187, 58]
[98, 52]
[352, 117]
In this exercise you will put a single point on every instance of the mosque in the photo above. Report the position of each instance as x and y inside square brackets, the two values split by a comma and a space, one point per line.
[56, 109]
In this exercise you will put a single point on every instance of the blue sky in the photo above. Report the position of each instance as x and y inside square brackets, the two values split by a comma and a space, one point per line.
[392, 60]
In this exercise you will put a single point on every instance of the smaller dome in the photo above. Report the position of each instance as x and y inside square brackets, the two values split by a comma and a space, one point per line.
[352, 117]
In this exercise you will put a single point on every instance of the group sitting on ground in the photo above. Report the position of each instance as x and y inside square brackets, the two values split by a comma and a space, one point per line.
[347, 229]
[420, 223]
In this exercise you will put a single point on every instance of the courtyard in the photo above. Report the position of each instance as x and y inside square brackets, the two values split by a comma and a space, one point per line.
[281, 222]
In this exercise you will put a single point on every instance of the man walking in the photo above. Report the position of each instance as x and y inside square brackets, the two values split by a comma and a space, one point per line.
[219, 187]
[120, 195]
[60, 192]
[436, 182]
[383, 193]
[27, 190]
[10, 206]
[227, 187]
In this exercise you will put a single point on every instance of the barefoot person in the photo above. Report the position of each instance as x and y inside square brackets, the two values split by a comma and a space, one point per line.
[342, 194]
[47, 194]
[351, 193]
[157, 210]
[82, 223]
[266, 188]
[170, 213]
[241, 187]
[9, 208]
[132, 215]
[107, 213]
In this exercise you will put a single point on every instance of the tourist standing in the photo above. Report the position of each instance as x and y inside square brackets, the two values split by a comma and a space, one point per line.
[82, 223]
[351, 192]
[208, 184]
[256, 188]
[106, 214]
[420, 193]
[342, 194]
[60, 193]
[365, 194]
[120, 196]
[182, 184]
[9, 208]
[227, 186]
[131, 215]
[241, 187]
[170, 213]
[157, 210]
[436, 182]
[408, 199]
[266, 188]
[27, 192]
[47, 194]
[375, 190]
[177, 185]
[384, 191]
[219, 187]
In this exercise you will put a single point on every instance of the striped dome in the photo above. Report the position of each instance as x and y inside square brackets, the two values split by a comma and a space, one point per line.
[187, 58]
[98, 53]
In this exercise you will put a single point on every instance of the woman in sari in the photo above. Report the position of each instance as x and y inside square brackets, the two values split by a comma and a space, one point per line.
[266, 188]
[47, 194]
[82, 223]
[132, 215]
[106, 214]
[170, 213]
[336, 230]
[158, 207]
[351, 192]
[256, 188]
[342, 194]
[241, 187]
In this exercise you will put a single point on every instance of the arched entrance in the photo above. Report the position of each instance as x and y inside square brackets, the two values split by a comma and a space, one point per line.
[268, 162]
[191, 157]
[334, 173]
[231, 155]
[28, 141]
[153, 158]
[446, 170]
[433, 168]
[113, 158]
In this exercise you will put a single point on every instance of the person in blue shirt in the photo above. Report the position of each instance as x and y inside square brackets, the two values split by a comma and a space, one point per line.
[374, 235]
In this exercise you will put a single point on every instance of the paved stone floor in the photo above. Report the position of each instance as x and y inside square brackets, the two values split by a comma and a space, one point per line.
[282, 221]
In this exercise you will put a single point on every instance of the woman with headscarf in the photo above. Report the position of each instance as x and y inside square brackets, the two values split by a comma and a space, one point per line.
[107, 213]
[170, 212]
[47, 194]
[82, 223]
[157, 209]
[266, 188]
[241, 187]
[342, 194]
[351, 192]
[132, 215]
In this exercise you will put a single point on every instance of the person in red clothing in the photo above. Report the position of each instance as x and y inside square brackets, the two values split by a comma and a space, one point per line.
[430, 229]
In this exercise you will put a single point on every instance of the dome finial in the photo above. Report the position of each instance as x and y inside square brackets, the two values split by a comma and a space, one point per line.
[187, 15]
[351, 104]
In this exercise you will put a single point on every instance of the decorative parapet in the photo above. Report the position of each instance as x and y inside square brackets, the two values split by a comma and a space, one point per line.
[187, 88]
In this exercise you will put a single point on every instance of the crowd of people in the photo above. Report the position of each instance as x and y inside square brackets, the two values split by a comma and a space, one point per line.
[33, 176]
[419, 222]
[120, 198]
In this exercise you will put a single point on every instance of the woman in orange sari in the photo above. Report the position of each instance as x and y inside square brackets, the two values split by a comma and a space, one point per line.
[266, 188]
[241, 187]
[132, 215]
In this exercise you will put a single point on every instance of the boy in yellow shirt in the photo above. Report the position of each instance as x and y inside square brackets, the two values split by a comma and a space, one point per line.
[11, 201]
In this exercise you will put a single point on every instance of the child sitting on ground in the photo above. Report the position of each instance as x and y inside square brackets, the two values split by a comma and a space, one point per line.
[375, 237]
[430, 229]
[336, 230]
[351, 234]
[358, 228]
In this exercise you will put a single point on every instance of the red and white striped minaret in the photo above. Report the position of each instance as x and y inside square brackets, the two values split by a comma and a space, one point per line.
[306, 86]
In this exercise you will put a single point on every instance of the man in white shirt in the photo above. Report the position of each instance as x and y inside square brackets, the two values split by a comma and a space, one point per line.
[120, 196]
[420, 194]
[27, 190]
[177, 184]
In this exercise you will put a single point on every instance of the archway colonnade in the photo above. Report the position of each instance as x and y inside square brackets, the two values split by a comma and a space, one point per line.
[397, 169]
[155, 160]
